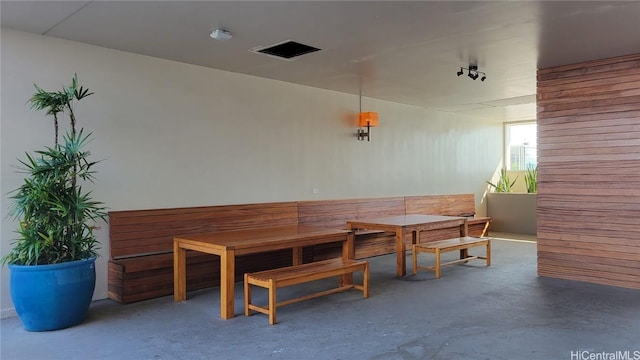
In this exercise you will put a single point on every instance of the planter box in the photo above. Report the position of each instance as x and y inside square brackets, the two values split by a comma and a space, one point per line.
[512, 212]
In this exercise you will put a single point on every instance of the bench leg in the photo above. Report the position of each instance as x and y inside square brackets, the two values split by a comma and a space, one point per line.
[247, 295]
[272, 302]
[488, 253]
[365, 281]
[437, 254]
[414, 261]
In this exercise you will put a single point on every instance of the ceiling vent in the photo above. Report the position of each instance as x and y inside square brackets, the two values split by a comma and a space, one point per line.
[287, 50]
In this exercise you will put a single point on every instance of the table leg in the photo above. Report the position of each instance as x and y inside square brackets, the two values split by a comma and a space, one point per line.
[464, 231]
[401, 266]
[297, 255]
[349, 247]
[227, 280]
[348, 252]
[179, 273]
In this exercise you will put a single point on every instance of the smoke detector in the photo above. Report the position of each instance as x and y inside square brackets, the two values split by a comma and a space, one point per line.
[221, 34]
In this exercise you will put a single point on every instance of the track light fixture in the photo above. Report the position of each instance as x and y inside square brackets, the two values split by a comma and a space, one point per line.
[473, 73]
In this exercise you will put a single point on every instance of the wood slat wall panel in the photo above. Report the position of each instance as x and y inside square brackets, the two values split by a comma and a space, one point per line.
[595, 66]
[592, 202]
[335, 213]
[589, 172]
[125, 216]
[453, 205]
[581, 105]
[570, 135]
[611, 108]
[138, 232]
[585, 120]
[591, 93]
[596, 248]
[575, 273]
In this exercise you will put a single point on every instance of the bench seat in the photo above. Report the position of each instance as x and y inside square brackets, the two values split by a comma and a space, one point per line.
[438, 247]
[141, 241]
[478, 226]
[298, 274]
[149, 276]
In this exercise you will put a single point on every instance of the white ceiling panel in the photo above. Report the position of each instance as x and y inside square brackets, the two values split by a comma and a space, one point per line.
[401, 51]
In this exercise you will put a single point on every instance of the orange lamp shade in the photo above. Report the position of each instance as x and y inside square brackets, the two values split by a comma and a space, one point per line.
[368, 117]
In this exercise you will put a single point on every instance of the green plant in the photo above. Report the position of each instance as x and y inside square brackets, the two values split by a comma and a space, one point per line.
[503, 184]
[55, 213]
[531, 179]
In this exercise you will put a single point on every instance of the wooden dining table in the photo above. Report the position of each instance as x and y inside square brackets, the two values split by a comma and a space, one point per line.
[230, 244]
[403, 224]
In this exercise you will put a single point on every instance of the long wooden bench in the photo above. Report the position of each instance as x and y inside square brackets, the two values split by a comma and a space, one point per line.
[298, 274]
[141, 241]
[442, 246]
[141, 246]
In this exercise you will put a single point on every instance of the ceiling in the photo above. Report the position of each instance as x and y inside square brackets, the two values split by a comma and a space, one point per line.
[404, 52]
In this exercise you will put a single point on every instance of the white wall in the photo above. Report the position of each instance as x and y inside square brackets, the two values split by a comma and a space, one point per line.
[174, 134]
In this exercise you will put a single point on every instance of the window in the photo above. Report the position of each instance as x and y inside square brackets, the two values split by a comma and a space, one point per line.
[521, 145]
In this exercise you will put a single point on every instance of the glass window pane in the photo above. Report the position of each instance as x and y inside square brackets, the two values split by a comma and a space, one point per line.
[521, 145]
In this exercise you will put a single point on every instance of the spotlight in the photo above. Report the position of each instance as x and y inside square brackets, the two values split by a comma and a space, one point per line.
[472, 73]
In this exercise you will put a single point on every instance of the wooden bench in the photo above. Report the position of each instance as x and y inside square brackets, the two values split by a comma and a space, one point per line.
[442, 246]
[141, 246]
[298, 274]
[141, 241]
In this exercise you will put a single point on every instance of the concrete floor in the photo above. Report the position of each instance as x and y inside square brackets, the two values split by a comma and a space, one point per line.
[473, 312]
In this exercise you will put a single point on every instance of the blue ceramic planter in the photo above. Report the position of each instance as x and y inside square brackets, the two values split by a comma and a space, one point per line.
[51, 297]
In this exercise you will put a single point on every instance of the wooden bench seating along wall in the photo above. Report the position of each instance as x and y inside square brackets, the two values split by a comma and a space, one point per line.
[141, 241]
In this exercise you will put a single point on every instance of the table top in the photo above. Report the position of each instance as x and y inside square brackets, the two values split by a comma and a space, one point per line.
[249, 238]
[406, 220]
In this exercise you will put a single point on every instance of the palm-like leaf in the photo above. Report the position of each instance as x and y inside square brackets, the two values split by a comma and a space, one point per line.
[56, 215]
[504, 184]
[531, 179]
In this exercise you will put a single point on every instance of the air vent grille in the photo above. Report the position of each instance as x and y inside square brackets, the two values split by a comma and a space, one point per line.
[287, 50]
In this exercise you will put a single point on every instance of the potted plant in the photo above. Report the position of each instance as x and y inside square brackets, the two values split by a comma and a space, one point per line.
[52, 262]
[511, 206]
[504, 184]
[531, 179]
